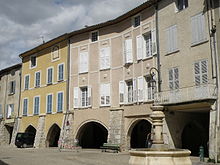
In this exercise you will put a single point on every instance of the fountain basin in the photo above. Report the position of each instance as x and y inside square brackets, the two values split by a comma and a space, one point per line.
[160, 157]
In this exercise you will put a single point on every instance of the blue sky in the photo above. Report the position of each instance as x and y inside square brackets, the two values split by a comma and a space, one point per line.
[24, 22]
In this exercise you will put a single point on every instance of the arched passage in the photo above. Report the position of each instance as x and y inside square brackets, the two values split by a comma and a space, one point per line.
[138, 133]
[31, 130]
[194, 136]
[53, 136]
[92, 135]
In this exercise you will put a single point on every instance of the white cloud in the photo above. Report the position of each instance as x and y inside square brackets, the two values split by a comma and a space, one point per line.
[23, 22]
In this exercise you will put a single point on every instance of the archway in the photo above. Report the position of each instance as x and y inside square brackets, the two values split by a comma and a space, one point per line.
[92, 135]
[53, 136]
[138, 133]
[9, 132]
[195, 135]
[31, 130]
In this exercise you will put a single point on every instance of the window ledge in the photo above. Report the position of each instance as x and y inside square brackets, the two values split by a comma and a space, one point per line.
[83, 72]
[48, 84]
[199, 43]
[173, 52]
[60, 80]
[36, 114]
[102, 106]
[104, 69]
[60, 111]
[10, 94]
[147, 58]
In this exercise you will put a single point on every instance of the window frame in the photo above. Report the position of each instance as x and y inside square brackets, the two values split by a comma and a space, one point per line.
[104, 94]
[58, 69]
[52, 52]
[35, 78]
[27, 75]
[52, 76]
[23, 114]
[30, 65]
[34, 112]
[91, 36]
[134, 20]
[12, 87]
[57, 105]
[49, 94]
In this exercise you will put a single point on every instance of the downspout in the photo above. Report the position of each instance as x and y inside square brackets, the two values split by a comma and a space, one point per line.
[158, 47]
[19, 98]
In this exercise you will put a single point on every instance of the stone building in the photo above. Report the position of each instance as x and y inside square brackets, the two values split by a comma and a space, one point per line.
[9, 103]
[43, 91]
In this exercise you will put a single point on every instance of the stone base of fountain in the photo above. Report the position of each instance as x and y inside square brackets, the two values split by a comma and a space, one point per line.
[160, 157]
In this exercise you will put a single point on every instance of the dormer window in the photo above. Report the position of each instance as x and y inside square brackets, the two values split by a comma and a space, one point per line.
[94, 36]
[55, 52]
[137, 21]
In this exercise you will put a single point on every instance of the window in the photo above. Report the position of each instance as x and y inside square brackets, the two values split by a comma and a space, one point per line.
[182, 4]
[10, 111]
[60, 72]
[25, 107]
[49, 75]
[198, 29]
[82, 97]
[37, 79]
[26, 82]
[49, 103]
[83, 62]
[33, 61]
[60, 102]
[137, 21]
[149, 88]
[174, 78]
[105, 94]
[201, 72]
[94, 36]
[55, 52]
[128, 51]
[171, 33]
[12, 87]
[36, 105]
[1, 114]
[105, 58]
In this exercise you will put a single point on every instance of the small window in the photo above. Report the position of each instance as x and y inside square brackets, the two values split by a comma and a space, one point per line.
[150, 88]
[10, 111]
[182, 4]
[49, 76]
[26, 82]
[33, 61]
[12, 87]
[105, 94]
[36, 105]
[49, 103]
[60, 102]
[37, 79]
[55, 52]
[94, 36]
[84, 97]
[174, 78]
[137, 21]
[201, 72]
[25, 107]
[60, 72]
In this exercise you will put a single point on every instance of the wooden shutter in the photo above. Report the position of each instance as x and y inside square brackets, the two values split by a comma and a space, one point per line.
[107, 94]
[89, 96]
[139, 47]
[171, 84]
[86, 59]
[121, 92]
[197, 73]
[140, 89]
[128, 51]
[102, 58]
[107, 57]
[175, 39]
[76, 97]
[134, 90]
[176, 78]
[204, 72]
[154, 42]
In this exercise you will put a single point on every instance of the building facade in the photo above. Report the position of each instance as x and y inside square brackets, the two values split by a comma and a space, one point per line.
[9, 103]
[43, 91]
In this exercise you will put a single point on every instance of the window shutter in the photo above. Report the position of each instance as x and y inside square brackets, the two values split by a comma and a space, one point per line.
[128, 51]
[194, 30]
[102, 58]
[144, 49]
[168, 34]
[176, 78]
[76, 97]
[89, 96]
[83, 67]
[204, 72]
[121, 92]
[102, 94]
[197, 73]
[86, 62]
[175, 41]
[145, 92]
[107, 57]
[107, 94]
[154, 42]
[171, 85]
[140, 89]
[13, 88]
[60, 72]
[139, 47]
[134, 90]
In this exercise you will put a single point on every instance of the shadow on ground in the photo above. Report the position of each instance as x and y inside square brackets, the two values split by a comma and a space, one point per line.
[3, 163]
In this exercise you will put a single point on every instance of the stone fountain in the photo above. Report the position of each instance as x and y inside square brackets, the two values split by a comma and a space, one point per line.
[159, 154]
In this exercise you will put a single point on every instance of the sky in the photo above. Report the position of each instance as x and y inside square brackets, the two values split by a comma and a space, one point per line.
[24, 24]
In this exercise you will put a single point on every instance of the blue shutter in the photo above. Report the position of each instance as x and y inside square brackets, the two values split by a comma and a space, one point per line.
[60, 74]
[36, 105]
[25, 106]
[49, 75]
[60, 102]
[49, 103]
[26, 82]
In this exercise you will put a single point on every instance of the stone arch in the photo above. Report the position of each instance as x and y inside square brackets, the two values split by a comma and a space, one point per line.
[30, 129]
[53, 136]
[92, 134]
[137, 133]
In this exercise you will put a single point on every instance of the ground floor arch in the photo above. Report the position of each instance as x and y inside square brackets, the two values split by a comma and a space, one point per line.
[31, 130]
[92, 135]
[138, 133]
[53, 136]
[9, 130]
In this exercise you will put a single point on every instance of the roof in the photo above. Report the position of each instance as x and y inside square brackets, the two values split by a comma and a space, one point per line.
[6, 70]
[130, 13]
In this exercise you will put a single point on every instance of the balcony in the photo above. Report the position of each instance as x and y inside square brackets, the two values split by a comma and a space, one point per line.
[188, 94]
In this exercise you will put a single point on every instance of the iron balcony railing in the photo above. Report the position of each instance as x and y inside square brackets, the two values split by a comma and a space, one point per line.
[187, 94]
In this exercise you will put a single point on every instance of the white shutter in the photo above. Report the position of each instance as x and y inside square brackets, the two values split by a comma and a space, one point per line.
[171, 78]
[194, 22]
[86, 59]
[128, 51]
[139, 47]
[107, 94]
[89, 96]
[168, 34]
[204, 72]
[140, 89]
[144, 50]
[175, 41]
[102, 58]
[121, 92]
[176, 78]
[107, 57]
[81, 56]
[76, 97]
[145, 92]
[134, 90]
[201, 21]
[154, 42]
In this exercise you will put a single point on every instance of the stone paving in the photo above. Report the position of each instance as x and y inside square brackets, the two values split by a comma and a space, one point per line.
[52, 156]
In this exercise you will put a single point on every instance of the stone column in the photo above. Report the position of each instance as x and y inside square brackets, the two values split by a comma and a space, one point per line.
[15, 130]
[157, 121]
[40, 140]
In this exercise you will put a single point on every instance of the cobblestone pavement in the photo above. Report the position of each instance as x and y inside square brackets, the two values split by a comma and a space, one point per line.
[52, 156]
